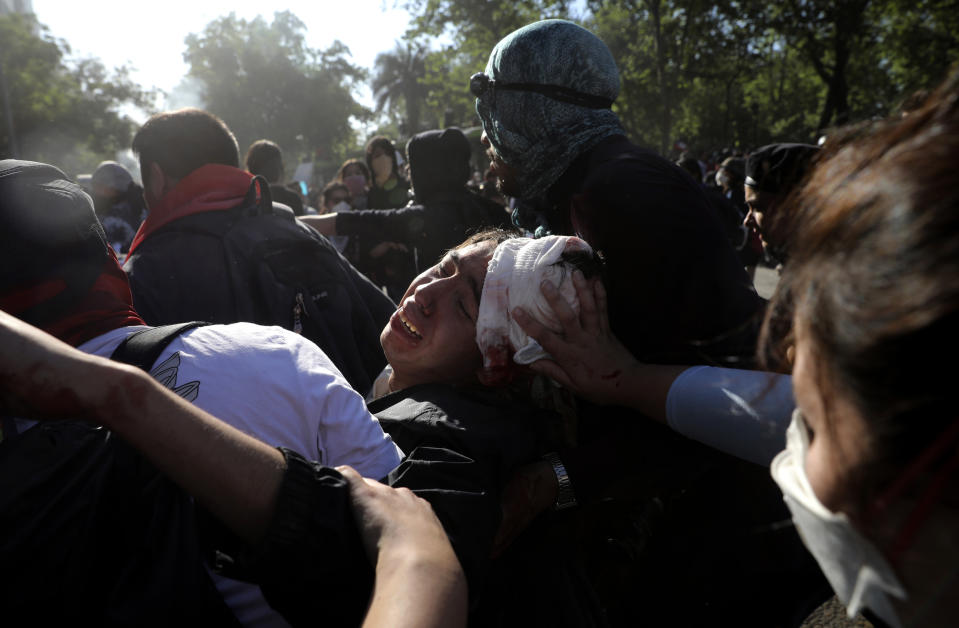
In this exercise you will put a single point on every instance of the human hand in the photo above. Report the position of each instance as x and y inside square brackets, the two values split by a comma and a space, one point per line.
[394, 519]
[585, 355]
[530, 491]
[419, 581]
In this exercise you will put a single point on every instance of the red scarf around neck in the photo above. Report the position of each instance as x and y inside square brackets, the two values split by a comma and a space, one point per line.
[208, 188]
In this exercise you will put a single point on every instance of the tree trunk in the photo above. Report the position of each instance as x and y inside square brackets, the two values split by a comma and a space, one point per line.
[666, 121]
[848, 27]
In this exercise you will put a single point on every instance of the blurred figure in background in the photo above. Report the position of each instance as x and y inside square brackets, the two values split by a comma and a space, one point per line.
[773, 172]
[356, 176]
[729, 212]
[119, 204]
[389, 189]
[444, 212]
[266, 159]
[336, 199]
[730, 177]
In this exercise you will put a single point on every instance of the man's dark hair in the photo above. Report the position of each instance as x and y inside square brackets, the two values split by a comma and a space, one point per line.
[181, 141]
[331, 187]
[383, 142]
[265, 158]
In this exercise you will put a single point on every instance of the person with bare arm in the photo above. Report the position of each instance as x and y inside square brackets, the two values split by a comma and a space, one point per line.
[239, 479]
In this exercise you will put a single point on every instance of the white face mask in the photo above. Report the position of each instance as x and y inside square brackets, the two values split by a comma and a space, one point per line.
[858, 573]
[341, 207]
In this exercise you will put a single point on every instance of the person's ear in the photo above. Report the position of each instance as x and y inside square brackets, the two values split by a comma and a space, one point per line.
[156, 184]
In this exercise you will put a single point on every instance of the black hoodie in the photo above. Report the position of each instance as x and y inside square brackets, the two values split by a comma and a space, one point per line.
[444, 212]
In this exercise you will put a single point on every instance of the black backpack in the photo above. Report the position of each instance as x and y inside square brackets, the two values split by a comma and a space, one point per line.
[278, 272]
[91, 533]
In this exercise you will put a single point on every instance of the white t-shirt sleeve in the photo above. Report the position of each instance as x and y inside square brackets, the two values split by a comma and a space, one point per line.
[274, 385]
[347, 433]
[277, 387]
[742, 413]
[282, 389]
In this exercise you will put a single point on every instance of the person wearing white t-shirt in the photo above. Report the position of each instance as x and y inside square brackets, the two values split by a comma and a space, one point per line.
[60, 274]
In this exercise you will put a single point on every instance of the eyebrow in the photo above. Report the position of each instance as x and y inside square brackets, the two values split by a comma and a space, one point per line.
[477, 292]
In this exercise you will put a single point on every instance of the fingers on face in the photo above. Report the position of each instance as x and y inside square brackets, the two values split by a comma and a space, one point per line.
[560, 307]
[587, 302]
[530, 325]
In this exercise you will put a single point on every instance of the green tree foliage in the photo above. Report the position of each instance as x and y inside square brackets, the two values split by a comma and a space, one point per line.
[424, 89]
[829, 35]
[681, 64]
[448, 99]
[475, 27]
[398, 84]
[62, 112]
[468, 30]
[733, 73]
[265, 82]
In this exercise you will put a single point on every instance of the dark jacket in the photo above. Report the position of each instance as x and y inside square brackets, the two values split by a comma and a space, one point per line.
[445, 210]
[428, 230]
[677, 291]
[396, 196]
[694, 529]
[462, 446]
[187, 270]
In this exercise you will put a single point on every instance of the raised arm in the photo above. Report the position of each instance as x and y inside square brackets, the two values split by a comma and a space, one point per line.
[589, 360]
[419, 581]
[740, 412]
[323, 223]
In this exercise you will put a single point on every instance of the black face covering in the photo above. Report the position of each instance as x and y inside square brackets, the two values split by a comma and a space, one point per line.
[439, 163]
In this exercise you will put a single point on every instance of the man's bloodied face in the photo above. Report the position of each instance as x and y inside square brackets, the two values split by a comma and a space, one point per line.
[432, 335]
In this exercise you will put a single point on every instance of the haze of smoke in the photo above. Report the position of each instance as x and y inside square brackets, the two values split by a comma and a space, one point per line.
[128, 160]
[187, 93]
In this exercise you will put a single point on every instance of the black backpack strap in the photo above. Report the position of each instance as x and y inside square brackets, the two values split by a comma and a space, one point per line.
[259, 199]
[141, 349]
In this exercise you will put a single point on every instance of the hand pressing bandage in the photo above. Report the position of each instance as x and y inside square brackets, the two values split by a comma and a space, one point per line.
[513, 279]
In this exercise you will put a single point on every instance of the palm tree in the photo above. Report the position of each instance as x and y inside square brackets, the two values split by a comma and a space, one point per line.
[397, 76]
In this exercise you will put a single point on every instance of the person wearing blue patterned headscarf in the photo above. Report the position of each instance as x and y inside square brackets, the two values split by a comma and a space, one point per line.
[542, 128]
[677, 293]
[545, 101]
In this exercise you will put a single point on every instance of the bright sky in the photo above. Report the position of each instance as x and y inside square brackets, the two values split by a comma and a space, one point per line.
[149, 35]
